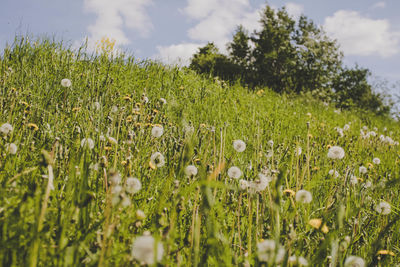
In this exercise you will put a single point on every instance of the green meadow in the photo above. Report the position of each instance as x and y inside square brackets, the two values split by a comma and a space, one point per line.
[78, 128]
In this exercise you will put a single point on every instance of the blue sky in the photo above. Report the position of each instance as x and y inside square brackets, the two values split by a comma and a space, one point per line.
[171, 30]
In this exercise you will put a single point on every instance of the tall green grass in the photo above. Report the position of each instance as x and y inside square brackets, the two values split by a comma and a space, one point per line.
[200, 220]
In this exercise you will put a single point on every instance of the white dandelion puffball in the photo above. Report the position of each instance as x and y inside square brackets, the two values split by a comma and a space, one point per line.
[140, 215]
[234, 172]
[346, 127]
[191, 170]
[239, 145]
[266, 251]
[96, 105]
[298, 151]
[243, 184]
[12, 148]
[87, 142]
[143, 249]
[334, 173]
[302, 261]
[157, 159]
[303, 196]
[354, 261]
[383, 208]
[163, 100]
[336, 152]
[353, 180]
[362, 170]
[271, 143]
[133, 185]
[261, 183]
[66, 83]
[157, 131]
[6, 128]
[376, 161]
[115, 178]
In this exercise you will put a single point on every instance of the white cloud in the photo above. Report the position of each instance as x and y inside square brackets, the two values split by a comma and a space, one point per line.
[216, 22]
[294, 9]
[177, 54]
[380, 4]
[113, 16]
[359, 35]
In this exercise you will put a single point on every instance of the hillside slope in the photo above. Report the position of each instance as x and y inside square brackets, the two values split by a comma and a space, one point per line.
[69, 153]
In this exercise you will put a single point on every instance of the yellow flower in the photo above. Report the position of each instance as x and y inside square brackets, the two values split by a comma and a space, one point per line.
[32, 126]
[128, 98]
[151, 165]
[386, 252]
[316, 223]
[129, 118]
[310, 136]
[316, 168]
[370, 165]
[76, 109]
[107, 148]
[328, 146]
[124, 162]
[182, 87]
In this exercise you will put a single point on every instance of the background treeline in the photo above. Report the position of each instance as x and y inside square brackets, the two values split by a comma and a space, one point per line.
[291, 56]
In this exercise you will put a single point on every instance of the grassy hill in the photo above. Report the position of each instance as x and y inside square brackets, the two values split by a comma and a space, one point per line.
[68, 197]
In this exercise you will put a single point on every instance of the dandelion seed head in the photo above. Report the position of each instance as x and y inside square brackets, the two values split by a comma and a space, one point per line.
[163, 100]
[143, 249]
[234, 172]
[140, 215]
[112, 140]
[87, 142]
[239, 145]
[12, 148]
[268, 249]
[191, 170]
[6, 128]
[66, 83]
[133, 185]
[157, 131]
[362, 170]
[383, 208]
[115, 178]
[298, 151]
[157, 159]
[353, 180]
[261, 183]
[336, 152]
[303, 196]
[243, 184]
[354, 261]
[271, 143]
[334, 173]
[376, 161]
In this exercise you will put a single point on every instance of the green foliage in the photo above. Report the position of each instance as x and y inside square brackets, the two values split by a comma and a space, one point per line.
[288, 56]
[61, 203]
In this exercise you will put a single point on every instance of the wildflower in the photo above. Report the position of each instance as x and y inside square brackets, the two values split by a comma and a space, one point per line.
[133, 185]
[303, 196]
[234, 172]
[336, 152]
[191, 170]
[115, 178]
[334, 173]
[163, 100]
[6, 128]
[140, 215]
[112, 140]
[87, 142]
[157, 131]
[267, 251]
[271, 143]
[126, 202]
[243, 184]
[116, 190]
[12, 148]
[261, 183]
[362, 170]
[353, 180]
[32, 126]
[340, 131]
[239, 145]
[96, 105]
[145, 99]
[114, 109]
[354, 261]
[298, 151]
[143, 249]
[371, 133]
[346, 127]
[383, 208]
[376, 161]
[66, 83]
[157, 159]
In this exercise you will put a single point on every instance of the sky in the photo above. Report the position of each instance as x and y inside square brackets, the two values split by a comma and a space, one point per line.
[368, 31]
